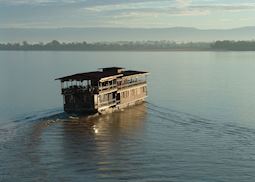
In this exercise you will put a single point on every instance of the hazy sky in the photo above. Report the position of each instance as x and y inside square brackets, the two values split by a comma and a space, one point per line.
[205, 14]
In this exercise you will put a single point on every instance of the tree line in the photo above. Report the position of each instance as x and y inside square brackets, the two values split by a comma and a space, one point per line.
[234, 45]
[120, 45]
[132, 45]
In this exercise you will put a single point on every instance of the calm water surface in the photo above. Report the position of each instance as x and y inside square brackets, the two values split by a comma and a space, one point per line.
[197, 125]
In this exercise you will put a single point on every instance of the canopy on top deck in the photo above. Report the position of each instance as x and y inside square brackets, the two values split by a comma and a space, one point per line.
[95, 75]
[99, 75]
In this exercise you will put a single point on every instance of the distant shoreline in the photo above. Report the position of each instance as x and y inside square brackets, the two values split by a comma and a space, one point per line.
[120, 50]
[138, 46]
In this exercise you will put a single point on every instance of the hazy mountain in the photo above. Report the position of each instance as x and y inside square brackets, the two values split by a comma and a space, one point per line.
[124, 34]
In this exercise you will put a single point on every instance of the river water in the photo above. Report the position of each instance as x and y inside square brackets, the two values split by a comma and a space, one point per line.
[197, 124]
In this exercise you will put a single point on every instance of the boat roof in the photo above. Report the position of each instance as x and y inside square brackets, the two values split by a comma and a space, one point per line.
[111, 68]
[94, 75]
[132, 72]
[98, 75]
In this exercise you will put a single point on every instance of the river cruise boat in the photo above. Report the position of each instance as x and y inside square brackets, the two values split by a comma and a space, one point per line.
[103, 91]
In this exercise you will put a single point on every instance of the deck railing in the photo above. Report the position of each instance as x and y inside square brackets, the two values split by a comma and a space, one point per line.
[79, 89]
[96, 89]
[131, 84]
[107, 87]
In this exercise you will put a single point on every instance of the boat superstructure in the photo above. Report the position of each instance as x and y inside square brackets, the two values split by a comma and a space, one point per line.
[109, 89]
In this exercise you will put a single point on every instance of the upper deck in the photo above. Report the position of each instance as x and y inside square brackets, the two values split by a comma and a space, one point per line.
[107, 80]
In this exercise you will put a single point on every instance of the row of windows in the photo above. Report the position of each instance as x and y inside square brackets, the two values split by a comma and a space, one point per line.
[107, 83]
[106, 97]
[131, 80]
[125, 94]
[133, 92]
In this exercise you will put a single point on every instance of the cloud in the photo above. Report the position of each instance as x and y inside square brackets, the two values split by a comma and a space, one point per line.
[184, 3]
[117, 5]
[174, 7]
[114, 12]
[226, 7]
[151, 8]
[79, 2]
[22, 2]
[130, 6]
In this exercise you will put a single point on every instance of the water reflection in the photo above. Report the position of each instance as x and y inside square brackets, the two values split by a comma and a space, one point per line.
[128, 121]
[92, 146]
[103, 132]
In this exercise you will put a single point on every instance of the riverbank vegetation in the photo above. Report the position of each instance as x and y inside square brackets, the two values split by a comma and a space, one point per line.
[133, 46]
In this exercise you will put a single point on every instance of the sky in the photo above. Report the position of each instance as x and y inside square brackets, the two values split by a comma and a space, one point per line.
[203, 14]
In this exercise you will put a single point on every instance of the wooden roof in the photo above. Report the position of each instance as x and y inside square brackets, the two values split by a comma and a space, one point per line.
[132, 72]
[95, 75]
[98, 75]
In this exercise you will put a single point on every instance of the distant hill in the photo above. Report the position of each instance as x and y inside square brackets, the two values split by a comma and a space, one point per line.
[124, 34]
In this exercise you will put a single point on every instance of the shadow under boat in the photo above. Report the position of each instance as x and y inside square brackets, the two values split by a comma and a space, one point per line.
[128, 120]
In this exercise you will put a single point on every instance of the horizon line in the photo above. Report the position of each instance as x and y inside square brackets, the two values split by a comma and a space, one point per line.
[146, 28]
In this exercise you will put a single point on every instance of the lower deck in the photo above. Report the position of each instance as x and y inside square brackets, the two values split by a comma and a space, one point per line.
[104, 101]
